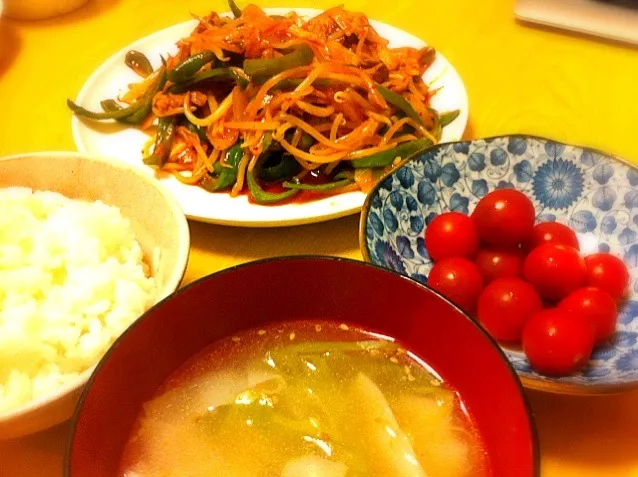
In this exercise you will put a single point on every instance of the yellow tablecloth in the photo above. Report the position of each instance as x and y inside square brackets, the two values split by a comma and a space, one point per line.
[519, 79]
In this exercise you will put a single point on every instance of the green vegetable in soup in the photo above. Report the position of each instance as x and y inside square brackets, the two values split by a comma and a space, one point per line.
[339, 408]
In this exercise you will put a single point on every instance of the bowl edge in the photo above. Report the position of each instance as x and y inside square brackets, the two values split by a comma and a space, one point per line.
[535, 443]
[172, 283]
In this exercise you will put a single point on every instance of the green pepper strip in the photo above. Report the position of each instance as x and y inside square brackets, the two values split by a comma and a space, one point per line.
[200, 131]
[228, 175]
[318, 187]
[400, 102]
[305, 141]
[134, 114]
[145, 104]
[189, 67]
[236, 11]
[267, 67]
[436, 124]
[163, 142]
[110, 105]
[114, 114]
[242, 81]
[287, 167]
[138, 62]
[448, 117]
[386, 158]
[263, 197]
[344, 175]
[208, 182]
[214, 74]
[266, 141]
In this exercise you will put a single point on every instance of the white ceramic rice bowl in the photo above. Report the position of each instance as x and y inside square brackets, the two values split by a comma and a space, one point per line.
[156, 218]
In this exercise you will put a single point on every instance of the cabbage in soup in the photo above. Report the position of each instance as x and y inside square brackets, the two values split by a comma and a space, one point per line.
[304, 399]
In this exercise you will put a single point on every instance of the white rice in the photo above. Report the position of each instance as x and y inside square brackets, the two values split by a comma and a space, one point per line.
[71, 280]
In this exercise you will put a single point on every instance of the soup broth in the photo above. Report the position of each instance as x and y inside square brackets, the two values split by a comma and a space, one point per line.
[304, 399]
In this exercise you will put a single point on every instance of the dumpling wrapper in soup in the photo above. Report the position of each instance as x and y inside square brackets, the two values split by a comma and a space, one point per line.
[313, 466]
[384, 439]
[438, 444]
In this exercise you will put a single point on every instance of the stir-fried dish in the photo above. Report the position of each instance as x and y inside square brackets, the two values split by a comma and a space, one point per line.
[279, 104]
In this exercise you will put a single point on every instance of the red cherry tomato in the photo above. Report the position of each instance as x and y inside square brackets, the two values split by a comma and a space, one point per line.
[596, 307]
[504, 217]
[451, 234]
[555, 270]
[551, 232]
[496, 263]
[457, 279]
[506, 305]
[608, 273]
[556, 342]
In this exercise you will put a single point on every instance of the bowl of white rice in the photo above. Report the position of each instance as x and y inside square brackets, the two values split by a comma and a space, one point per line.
[87, 245]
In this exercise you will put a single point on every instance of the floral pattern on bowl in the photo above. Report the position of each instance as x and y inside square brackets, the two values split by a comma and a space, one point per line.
[594, 193]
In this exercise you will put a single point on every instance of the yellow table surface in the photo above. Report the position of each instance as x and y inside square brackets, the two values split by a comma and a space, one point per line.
[519, 79]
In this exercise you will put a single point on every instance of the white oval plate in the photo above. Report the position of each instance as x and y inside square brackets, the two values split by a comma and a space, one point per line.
[124, 143]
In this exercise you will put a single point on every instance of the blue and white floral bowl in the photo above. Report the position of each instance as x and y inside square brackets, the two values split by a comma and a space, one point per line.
[594, 193]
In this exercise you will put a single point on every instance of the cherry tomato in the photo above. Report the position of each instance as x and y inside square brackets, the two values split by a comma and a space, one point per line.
[551, 232]
[451, 234]
[595, 306]
[608, 273]
[556, 342]
[459, 280]
[506, 305]
[496, 263]
[504, 217]
[555, 270]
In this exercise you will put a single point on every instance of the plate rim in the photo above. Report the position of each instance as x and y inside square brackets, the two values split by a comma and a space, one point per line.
[359, 197]
[551, 386]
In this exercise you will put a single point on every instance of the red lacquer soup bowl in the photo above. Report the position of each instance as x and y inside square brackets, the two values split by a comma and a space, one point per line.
[284, 289]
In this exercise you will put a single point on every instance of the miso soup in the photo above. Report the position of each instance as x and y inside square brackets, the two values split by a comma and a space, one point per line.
[304, 399]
